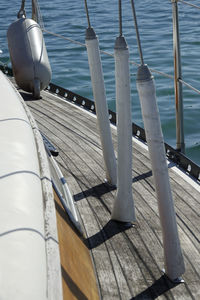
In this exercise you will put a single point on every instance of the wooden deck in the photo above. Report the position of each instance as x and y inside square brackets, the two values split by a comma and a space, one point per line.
[127, 261]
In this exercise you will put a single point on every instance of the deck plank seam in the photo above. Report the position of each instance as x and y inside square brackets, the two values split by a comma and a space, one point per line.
[150, 189]
[64, 141]
[135, 250]
[66, 128]
[178, 196]
[72, 117]
[89, 204]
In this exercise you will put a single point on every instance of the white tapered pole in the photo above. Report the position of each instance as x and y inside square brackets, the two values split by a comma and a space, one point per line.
[173, 259]
[123, 208]
[98, 86]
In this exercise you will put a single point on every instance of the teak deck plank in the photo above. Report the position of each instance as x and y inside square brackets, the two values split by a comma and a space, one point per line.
[128, 261]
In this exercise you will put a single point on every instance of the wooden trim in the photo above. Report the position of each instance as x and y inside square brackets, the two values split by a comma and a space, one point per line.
[78, 277]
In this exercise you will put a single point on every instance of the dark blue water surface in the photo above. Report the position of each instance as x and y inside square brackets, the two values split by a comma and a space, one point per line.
[70, 65]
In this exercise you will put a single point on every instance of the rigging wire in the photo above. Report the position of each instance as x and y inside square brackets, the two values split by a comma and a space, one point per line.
[137, 33]
[189, 86]
[120, 18]
[40, 20]
[36, 13]
[190, 4]
[87, 13]
[63, 37]
[103, 52]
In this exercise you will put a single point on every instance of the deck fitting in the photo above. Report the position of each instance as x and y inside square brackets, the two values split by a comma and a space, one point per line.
[176, 280]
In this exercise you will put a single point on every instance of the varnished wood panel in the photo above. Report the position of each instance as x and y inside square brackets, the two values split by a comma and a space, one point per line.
[78, 278]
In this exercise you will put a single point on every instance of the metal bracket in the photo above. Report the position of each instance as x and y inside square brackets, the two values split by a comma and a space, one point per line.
[49, 146]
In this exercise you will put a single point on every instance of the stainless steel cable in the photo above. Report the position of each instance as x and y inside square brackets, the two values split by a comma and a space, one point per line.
[87, 13]
[190, 4]
[189, 86]
[137, 33]
[36, 13]
[132, 62]
[64, 38]
[102, 51]
[120, 17]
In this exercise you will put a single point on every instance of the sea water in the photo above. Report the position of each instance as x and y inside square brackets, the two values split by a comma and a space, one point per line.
[70, 65]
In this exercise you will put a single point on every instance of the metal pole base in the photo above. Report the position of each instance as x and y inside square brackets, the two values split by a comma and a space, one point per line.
[124, 225]
[176, 280]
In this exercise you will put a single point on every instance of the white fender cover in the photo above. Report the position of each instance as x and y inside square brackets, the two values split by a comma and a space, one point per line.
[23, 268]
